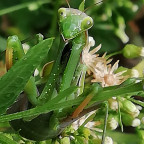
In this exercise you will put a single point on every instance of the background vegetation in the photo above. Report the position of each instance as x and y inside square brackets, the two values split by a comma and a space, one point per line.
[116, 22]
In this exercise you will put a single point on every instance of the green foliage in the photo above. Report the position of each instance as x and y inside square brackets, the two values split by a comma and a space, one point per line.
[6, 140]
[55, 97]
[13, 82]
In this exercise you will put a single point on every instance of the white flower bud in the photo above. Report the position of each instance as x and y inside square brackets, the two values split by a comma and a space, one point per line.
[108, 140]
[36, 72]
[25, 47]
[91, 41]
[136, 113]
[136, 122]
[113, 123]
[113, 104]
[138, 107]
[128, 106]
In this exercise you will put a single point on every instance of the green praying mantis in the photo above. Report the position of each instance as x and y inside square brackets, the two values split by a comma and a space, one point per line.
[45, 109]
[74, 25]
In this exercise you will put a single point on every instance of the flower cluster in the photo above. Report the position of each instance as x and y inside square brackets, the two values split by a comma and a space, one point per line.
[100, 67]
[102, 71]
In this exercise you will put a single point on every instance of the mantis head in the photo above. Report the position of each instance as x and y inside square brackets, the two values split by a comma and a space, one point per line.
[73, 22]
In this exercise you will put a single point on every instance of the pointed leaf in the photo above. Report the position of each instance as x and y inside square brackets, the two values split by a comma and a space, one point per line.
[82, 5]
[13, 82]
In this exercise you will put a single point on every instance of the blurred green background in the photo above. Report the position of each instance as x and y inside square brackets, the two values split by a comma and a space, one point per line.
[116, 22]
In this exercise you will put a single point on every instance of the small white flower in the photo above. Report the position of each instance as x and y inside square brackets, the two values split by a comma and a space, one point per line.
[91, 41]
[36, 72]
[136, 122]
[102, 71]
[89, 58]
[113, 123]
[136, 113]
[113, 104]
[108, 140]
[25, 47]
[107, 76]
[138, 107]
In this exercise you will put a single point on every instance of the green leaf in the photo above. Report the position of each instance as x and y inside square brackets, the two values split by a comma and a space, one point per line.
[130, 89]
[13, 82]
[47, 107]
[81, 6]
[5, 140]
[63, 94]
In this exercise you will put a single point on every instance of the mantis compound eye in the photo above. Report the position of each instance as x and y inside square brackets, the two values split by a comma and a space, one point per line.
[87, 23]
[62, 13]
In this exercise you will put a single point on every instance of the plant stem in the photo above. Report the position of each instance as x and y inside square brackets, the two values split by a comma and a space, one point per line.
[105, 123]
[113, 54]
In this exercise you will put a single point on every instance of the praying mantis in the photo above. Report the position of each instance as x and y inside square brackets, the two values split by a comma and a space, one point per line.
[74, 25]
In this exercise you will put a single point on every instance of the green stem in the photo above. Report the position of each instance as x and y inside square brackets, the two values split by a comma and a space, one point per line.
[113, 54]
[119, 113]
[105, 123]
[21, 6]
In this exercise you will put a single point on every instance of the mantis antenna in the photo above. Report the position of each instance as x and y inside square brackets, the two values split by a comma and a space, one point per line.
[68, 3]
[93, 5]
